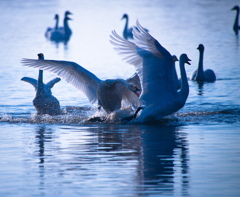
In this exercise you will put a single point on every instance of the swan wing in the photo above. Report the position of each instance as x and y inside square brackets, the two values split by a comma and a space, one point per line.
[153, 63]
[53, 82]
[71, 72]
[30, 80]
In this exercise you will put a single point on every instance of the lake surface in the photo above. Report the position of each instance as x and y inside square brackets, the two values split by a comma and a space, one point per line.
[195, 152]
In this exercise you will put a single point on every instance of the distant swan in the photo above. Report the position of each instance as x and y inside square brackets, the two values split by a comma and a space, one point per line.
[49, 29]
[153, 64]
[44, 102]
[127, 32]
[200, 75]
[61, 33]
[109, 93]
[236, 27]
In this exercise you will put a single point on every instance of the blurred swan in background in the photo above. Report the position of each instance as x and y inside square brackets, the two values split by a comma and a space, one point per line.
[200, 75]
[44, 102]
[60, 33]
[49, 29]
[153, 64]
[111, 94]
[236, 27]
[127, 32]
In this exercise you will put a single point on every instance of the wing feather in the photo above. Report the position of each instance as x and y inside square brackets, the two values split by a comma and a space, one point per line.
[71, 72]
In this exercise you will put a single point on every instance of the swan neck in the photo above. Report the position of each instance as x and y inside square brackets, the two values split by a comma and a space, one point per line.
[40, 82]
[235, 26]
[200, 74]
[66, 27]
[126, 24]
[175, 77]
[56, 26]
[184, 87]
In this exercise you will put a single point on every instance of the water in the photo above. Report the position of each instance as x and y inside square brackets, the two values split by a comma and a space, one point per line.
[195, 152]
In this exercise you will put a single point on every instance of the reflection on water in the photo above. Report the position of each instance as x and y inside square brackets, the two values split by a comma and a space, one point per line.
[152, 159]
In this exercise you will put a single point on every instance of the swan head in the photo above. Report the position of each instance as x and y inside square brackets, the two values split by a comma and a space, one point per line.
[56, 16]
[236, 7]
[175, 58]
[184, 58]
[200, 47]
[67, 18]
[125, 16]
[134, 89]
[67, 13]
[40, 56]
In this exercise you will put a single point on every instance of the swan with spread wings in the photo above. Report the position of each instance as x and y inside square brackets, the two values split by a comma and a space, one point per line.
[153, 64]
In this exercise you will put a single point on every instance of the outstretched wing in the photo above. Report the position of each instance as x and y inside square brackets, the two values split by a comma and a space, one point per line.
[51, 83]
[71, 72]
[30, 80]
[153, 63]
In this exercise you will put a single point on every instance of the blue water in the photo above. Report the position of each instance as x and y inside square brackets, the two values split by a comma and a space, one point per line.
[194, 152]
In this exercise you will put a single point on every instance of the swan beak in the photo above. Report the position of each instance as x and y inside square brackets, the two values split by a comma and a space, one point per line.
[175, 59]
[135, 89]
[188, 61]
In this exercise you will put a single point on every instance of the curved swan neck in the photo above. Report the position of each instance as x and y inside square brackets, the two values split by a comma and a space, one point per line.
[126, 24]
[175, 77]
[235, 26]
[185, 87]
[200, 74]
[66, 27]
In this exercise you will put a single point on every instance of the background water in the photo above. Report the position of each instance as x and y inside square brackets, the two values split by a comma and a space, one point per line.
[194, 153]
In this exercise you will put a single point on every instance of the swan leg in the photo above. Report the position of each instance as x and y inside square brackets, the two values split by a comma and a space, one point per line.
[133, 117]
[97, 119]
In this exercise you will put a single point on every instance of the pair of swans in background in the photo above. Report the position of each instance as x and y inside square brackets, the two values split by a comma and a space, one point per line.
[153, 64]
[60, 33]
[236, 27]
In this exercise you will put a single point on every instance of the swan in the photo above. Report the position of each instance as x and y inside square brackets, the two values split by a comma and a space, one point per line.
[153, 64]
[49, 29]
[134, 79]
[44, 102]
[62, 33]
[111, 94]
[127, 32]
[235, 26]
[200, 75]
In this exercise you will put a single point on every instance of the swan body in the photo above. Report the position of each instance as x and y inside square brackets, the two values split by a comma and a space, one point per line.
[44, 102]
[61, 33]
[236, 27]
[49, 29]
[127, 32]
[153, 64]
[110, 93]
[199, 74]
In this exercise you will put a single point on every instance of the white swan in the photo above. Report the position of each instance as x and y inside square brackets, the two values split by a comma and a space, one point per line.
[44, 102]
[49, 29]
[200, 75]
[110, 93]
[153, 64]
[61, 33]
[127, 32]
[236, 27]
[136, 81]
